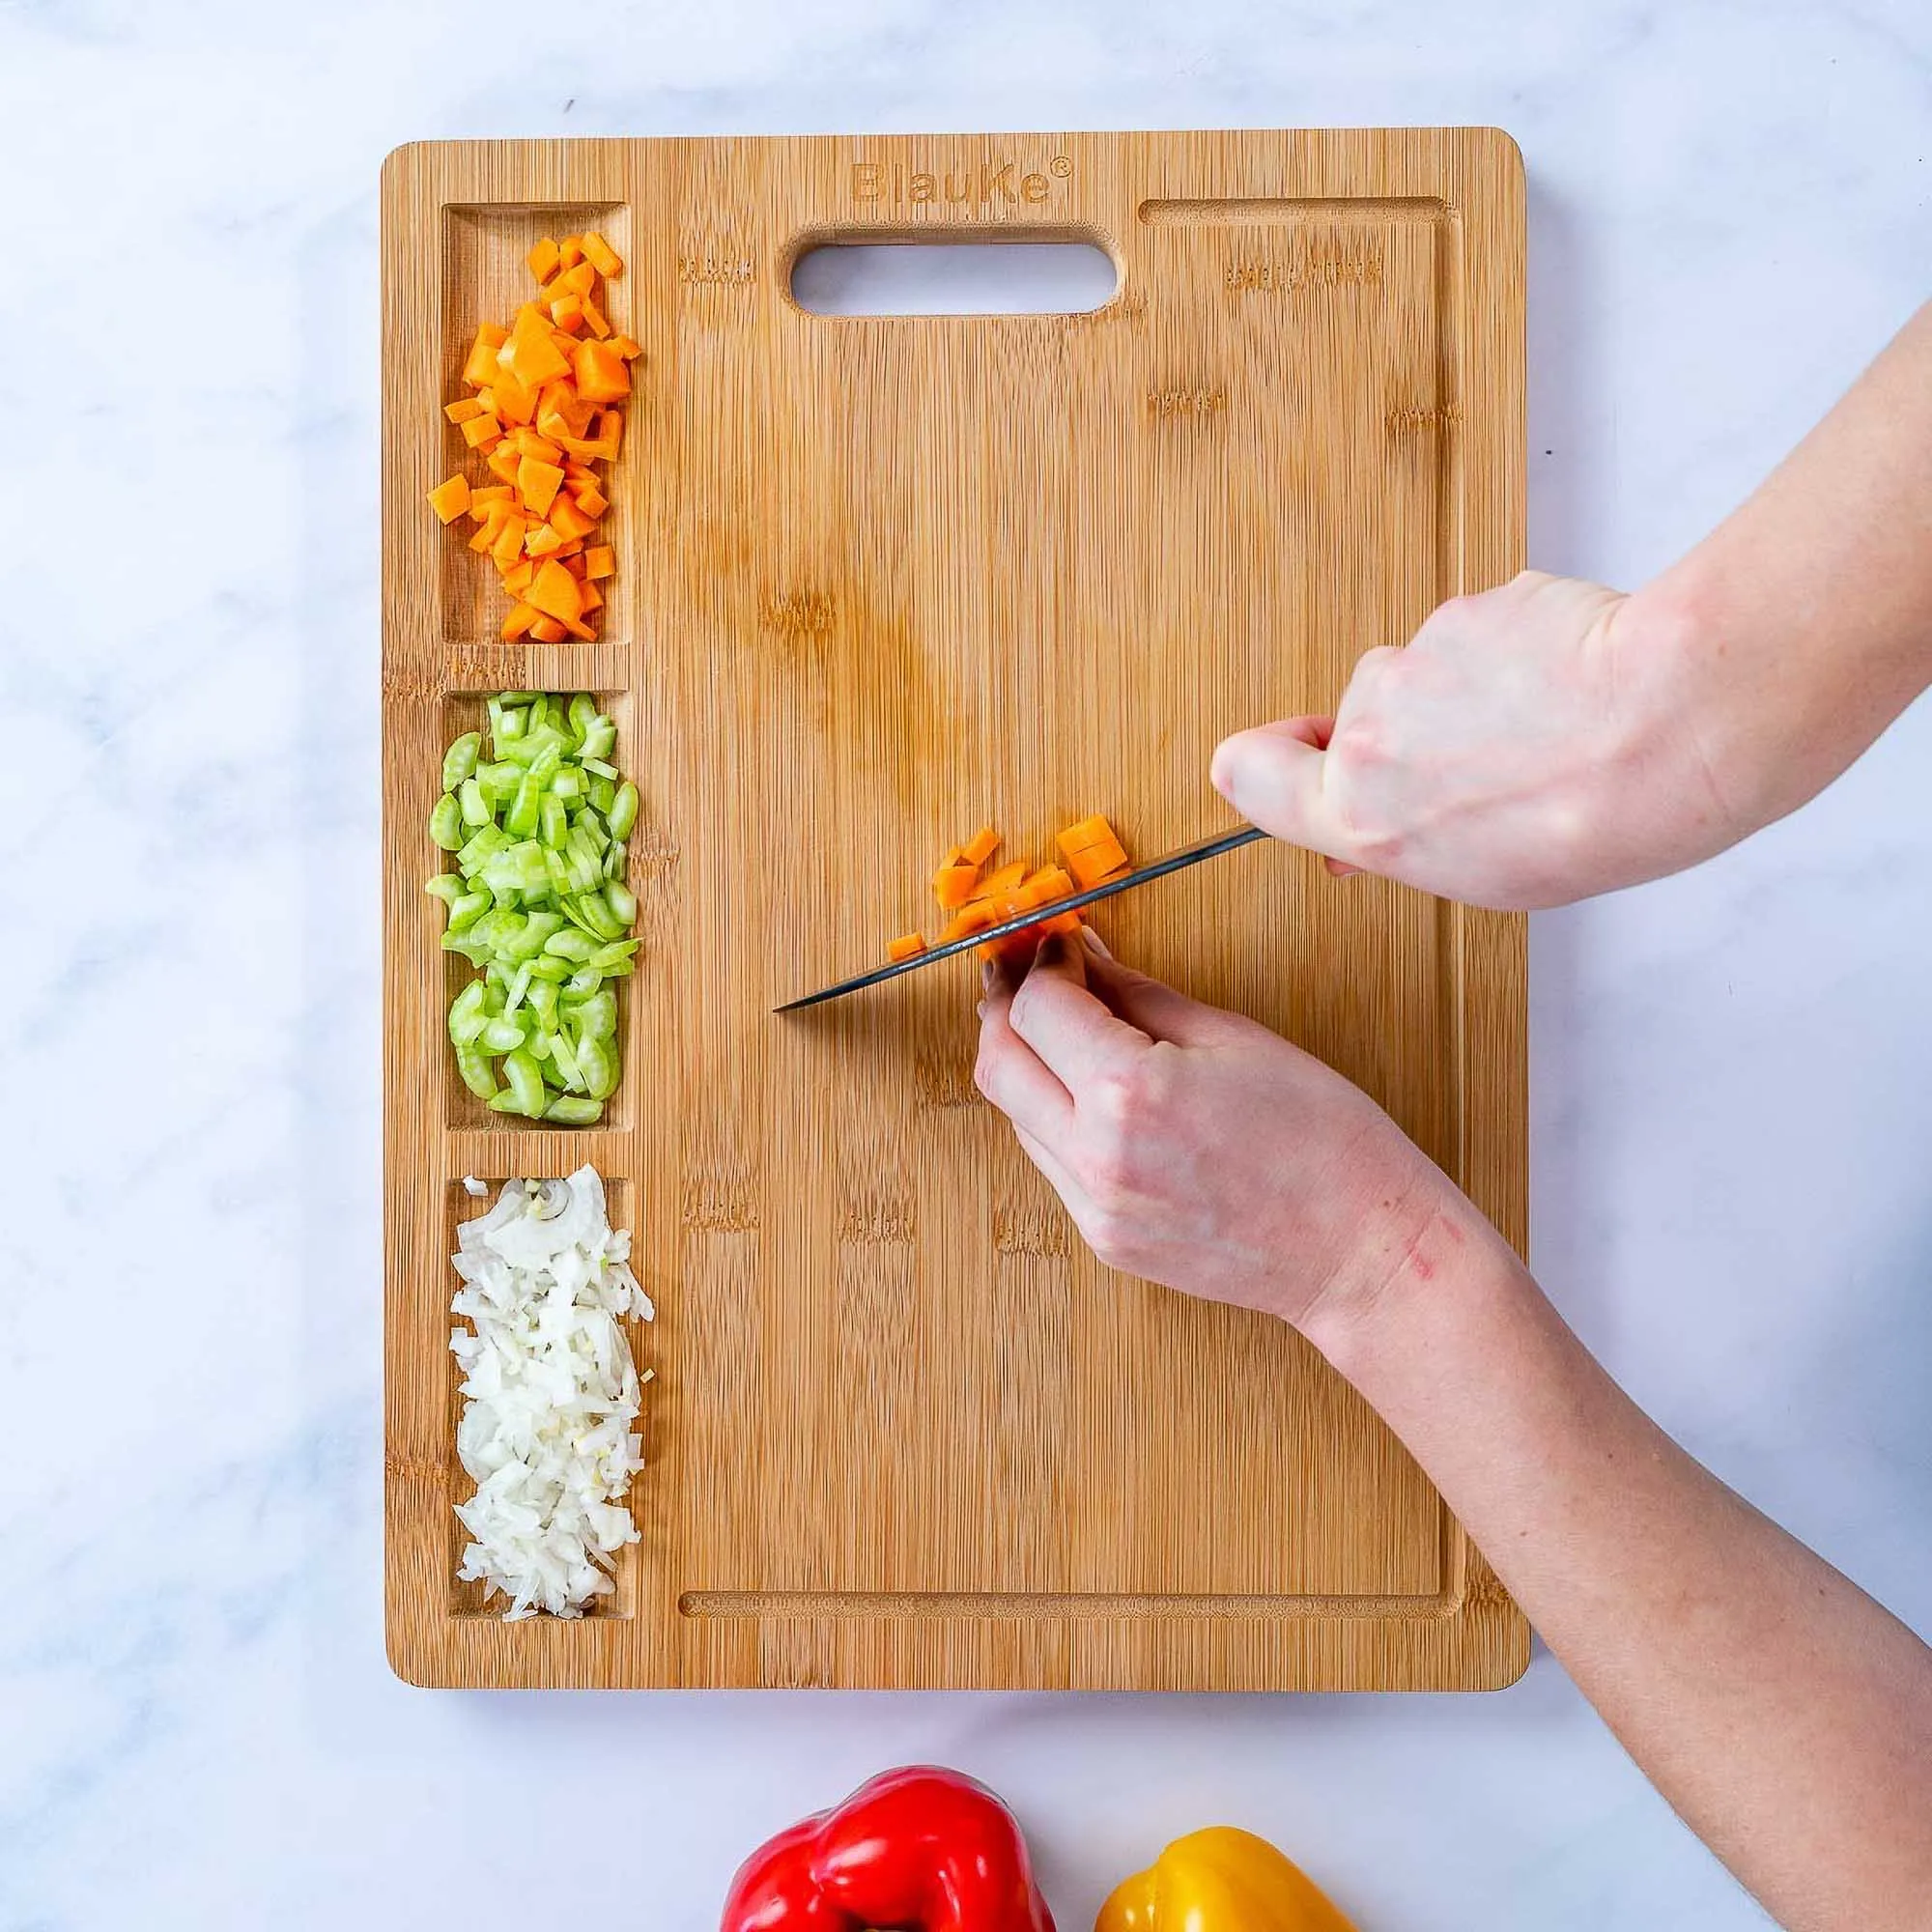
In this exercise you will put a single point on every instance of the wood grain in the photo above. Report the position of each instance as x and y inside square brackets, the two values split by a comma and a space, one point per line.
[882, 579]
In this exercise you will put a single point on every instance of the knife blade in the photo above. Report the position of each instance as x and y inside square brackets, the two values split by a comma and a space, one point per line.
[1175, 861]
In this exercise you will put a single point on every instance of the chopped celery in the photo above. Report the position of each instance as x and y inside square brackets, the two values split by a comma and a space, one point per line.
[446, 823]
[459, 760]
[537, 899]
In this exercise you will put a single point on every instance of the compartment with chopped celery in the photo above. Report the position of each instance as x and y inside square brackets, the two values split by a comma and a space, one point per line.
[536, 816]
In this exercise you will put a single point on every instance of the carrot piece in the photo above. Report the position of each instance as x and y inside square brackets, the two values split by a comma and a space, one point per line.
[480, 367]
[516, 401]
[534, 358]
[593, 598]
[463, 409]
[580, 630]
[568, 519]
[450, 498]
[592, 317]
[570, 251]
[537, 484]
[490, 492]
[479, 430]
[485, 538]
[953, 885]
[520, 620]
[966, 921]
[627, 348]
[580, 278]
[517, 579]
[908, 946]
[601, 374]
[997, 884]
[587, 498]
[509, 546]
[1061, 922]
[542, 541]
[569, 550]
[981, 846]
[541, 261]
[502, 462]
[1094, 831]
[548, 631]
[600, 254]
[527, 442]
[567, 313]
[1092, 864]
[600, 561]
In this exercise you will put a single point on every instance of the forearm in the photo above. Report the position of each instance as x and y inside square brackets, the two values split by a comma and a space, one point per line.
[1785, 1715]
[1797, 631]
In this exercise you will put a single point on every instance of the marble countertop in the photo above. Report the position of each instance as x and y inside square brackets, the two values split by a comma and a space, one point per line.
[1730, 209]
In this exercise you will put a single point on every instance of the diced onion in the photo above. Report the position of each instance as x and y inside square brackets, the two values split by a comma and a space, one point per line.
[549, 1393]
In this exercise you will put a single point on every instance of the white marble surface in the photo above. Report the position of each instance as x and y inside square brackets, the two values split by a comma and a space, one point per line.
[1729, 213]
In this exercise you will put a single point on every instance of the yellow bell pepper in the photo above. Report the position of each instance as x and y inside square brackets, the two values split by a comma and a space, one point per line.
[1220, 1880]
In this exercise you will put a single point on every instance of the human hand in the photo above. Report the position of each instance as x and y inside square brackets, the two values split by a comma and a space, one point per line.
[1532, 745]
[1198, 1148]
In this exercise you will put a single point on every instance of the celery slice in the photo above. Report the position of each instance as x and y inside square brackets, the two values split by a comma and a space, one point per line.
[525, 1080]
[446, 823]
[476, 1072]
[501, 1035]
[623, 812]
[574, 1112]
[622, 901]
[459, 760]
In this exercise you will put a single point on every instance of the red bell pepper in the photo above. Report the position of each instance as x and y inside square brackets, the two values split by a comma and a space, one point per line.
[920, 1850]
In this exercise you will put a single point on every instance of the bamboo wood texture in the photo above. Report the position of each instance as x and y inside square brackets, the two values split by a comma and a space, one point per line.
[882, 580]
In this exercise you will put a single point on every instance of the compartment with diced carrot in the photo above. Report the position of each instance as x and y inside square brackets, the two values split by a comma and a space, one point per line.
[547, 406]
[977, 898]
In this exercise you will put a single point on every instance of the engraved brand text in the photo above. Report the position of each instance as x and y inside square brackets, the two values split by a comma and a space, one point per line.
[998, 183]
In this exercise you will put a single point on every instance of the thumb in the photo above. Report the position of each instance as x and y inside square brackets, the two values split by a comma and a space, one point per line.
[1272, 776]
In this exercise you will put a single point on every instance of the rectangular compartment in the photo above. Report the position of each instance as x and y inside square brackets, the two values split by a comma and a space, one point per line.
[484, 279]
[467, 711]
[472, 1598]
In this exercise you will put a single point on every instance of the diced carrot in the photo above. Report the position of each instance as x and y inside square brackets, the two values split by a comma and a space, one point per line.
[981, 847]
[534, 357]
[568, 519]
[479, 430]
[578, 277]
[516, 401]
[542, 541]
[567, 312]
[1050, 882]
[593, 316]
[570, 251]
[593, 598]
[625, 347]
[527, 442]
[481, 366]
[1094, 831]
[967, 921]
[509, 546]
[541, 261]
[953, 885]
[588, 498]
[504, 461]
[1092, 864]
[490, 492]
[548, 631]
[517, 579]
[908, 946]
[537, 484]
[450, 498]
[519, 622]
[600, 561]
[580, 630]
[1001, 882]
[601, 374]
[485, 538]
[1061, 922]
[463, 409]
[600, 254]
[569, 551]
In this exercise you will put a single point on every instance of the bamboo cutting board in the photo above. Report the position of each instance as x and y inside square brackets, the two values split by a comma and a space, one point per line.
[881, 580]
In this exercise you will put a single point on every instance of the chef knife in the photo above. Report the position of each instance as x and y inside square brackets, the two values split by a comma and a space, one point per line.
[1175, 861]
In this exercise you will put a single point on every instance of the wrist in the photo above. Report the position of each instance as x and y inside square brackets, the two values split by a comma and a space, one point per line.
[1429, 1259]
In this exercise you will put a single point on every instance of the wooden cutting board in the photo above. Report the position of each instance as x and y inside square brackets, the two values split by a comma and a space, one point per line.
[882, 580]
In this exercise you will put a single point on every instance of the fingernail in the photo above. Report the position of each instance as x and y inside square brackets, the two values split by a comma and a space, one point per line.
[1052, 951]
[1094, 943]
[986, 975]
[1221, 772]
[980, 1009]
